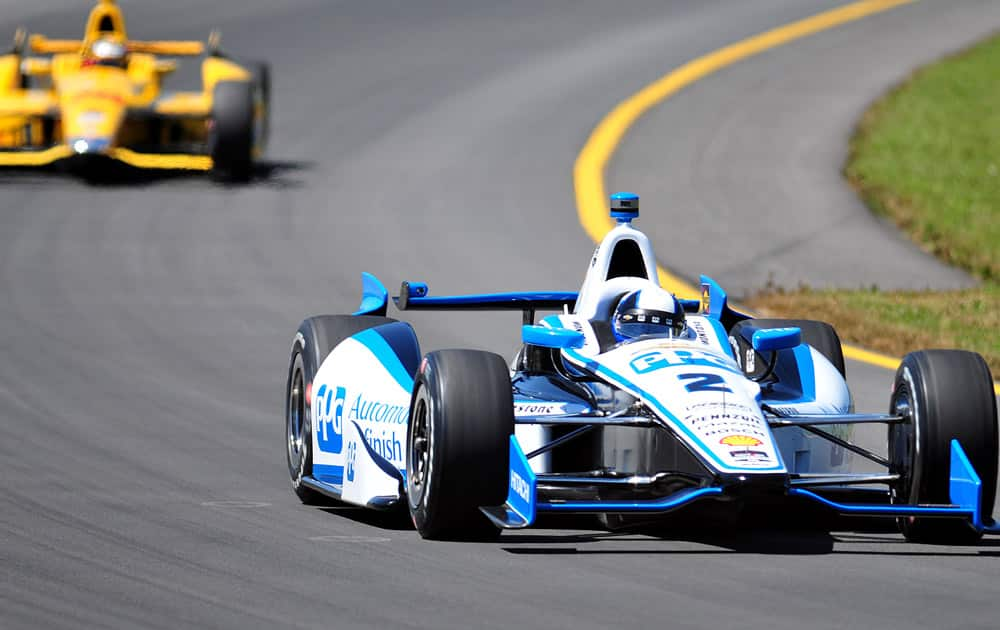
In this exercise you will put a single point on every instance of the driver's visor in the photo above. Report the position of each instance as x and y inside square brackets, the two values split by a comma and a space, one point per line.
[636, 322]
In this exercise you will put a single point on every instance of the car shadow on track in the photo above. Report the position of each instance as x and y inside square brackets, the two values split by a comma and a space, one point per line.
[575, 535]
[278, 174]
[864, 538]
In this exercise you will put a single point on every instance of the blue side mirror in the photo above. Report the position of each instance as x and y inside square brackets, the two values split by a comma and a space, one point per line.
[774, 339]
[552, 337]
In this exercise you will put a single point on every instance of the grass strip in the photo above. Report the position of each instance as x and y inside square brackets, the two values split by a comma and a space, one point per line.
[926, 155]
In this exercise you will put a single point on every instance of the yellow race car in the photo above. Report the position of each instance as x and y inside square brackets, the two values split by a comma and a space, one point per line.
[85, 102]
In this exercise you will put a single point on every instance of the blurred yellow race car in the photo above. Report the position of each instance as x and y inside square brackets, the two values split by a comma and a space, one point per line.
[85, 102]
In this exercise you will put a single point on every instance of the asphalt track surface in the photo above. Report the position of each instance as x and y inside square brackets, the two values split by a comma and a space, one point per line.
[144, 328]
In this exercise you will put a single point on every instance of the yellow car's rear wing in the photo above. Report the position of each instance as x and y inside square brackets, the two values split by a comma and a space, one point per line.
[42, 45]
[170, 48]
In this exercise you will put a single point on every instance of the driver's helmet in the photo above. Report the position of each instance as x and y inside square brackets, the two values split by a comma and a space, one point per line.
[648, 311]
[107, 52]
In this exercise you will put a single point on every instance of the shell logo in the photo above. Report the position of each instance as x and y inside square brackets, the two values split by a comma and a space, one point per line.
[740, 440]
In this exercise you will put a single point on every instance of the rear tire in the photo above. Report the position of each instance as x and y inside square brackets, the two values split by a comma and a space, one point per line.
[819, 335]
[231, 138]
[457, 453]
[315, 339]
[945, 394]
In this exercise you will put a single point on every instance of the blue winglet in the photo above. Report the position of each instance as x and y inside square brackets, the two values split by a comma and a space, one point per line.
[521, 488]
[374, 297]
[965, 488]
[519, 510]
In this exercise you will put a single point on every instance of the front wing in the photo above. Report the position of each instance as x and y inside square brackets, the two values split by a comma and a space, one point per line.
[165, 161]
[523, 505]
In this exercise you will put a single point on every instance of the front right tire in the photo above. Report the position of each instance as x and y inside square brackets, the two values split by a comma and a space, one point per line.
[461, 420]
[942, 395]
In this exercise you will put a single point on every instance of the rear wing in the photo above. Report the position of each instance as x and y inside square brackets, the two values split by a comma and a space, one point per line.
[413, 297]
[42, 45]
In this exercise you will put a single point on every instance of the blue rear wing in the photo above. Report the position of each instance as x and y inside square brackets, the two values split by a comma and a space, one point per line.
[413, 297]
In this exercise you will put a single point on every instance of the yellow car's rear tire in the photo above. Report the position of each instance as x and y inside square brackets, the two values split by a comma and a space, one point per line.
[231, 137]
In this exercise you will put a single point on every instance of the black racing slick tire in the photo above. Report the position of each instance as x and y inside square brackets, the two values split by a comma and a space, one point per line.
[819, 335]
[457, 455]
[942, 395]
[315, 339]
[232, 133]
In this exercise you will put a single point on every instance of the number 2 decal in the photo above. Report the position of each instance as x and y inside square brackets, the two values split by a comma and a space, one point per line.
[704, 382]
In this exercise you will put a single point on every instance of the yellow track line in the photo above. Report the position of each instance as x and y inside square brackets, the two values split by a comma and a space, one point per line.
[588, 171]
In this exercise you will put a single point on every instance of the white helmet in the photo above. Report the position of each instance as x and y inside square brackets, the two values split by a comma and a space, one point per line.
[109, 52]
[649, 311]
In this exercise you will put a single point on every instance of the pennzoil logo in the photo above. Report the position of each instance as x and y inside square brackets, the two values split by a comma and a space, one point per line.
[706, 298]
[740, 440]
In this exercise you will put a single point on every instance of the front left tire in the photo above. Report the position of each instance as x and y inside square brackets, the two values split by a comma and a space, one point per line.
[314, 340]
[232, 133]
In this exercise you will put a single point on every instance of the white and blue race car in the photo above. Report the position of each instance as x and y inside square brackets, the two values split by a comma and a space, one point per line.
[723, 408]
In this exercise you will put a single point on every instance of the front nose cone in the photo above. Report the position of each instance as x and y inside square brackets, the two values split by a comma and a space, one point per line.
[86, 146]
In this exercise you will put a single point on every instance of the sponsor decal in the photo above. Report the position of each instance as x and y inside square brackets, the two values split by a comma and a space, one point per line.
[386, 443]
[735, 345]
[377, 411]
[659, 359]
[706, 298]
[329, 414]
[699, 329]
[539, 409]
[331, 404]
[352, 453]
[740, 440]
[717, 405]
[751, 458]
[649, 362]
[725, 423]
[520, 486]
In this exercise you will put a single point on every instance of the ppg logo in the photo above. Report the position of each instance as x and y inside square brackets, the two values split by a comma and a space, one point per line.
[330, 411]
[649, 362]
